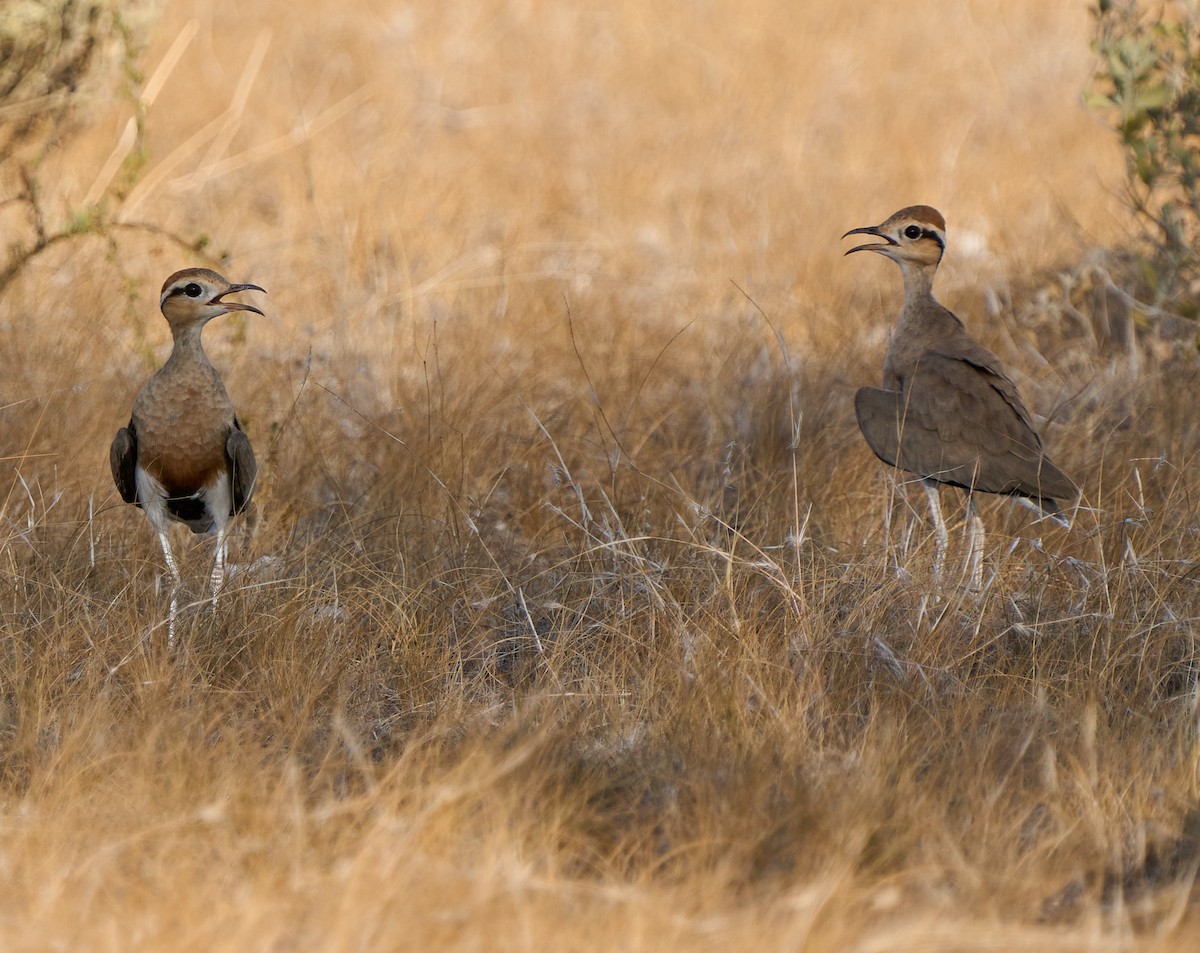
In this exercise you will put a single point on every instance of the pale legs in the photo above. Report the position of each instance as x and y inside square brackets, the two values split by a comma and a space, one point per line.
[975, 540]
[216, 579]
[175, 579]
[939, 527]
[975, 536]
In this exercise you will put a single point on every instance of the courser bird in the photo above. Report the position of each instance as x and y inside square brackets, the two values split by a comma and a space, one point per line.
[184, 456]
[947, 411]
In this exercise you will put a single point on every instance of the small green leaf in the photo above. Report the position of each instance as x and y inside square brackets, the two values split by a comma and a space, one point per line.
[1153, 97]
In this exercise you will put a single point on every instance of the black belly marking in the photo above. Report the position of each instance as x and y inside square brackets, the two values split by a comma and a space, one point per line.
[192, 510]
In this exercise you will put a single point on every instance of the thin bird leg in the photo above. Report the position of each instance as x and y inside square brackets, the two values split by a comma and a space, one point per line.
[217, 579]
[889, 504]
[975, 541]
[939, 526]
[171, 618]
[910, 525]
[166, 548]
[889, 501]
[174, 570]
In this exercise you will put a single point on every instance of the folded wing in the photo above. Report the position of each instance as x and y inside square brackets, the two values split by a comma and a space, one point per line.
[959, 421]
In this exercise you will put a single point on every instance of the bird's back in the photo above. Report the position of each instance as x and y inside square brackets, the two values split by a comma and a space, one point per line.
[949, 412]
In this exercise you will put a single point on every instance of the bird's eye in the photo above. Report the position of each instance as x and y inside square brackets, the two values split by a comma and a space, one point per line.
[193, 290]
[913, 231]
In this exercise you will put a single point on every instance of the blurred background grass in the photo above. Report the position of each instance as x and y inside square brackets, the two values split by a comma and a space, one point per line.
[568, 616]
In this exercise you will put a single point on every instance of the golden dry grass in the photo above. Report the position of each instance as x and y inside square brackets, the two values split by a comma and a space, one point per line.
[570, 621]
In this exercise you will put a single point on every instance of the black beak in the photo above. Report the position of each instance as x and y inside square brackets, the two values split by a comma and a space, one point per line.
[870, 246]
[237, 305]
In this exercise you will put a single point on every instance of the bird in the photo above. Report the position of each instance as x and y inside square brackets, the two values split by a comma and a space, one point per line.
[184, 456]
[947, 411]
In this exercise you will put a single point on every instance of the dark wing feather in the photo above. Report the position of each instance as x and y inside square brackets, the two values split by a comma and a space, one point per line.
[122, 457]
[989, 367]
[962, 423]
[243, 468]
[878, 411]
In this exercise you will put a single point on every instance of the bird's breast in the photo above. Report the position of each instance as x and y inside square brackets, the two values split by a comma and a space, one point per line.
[183, 419]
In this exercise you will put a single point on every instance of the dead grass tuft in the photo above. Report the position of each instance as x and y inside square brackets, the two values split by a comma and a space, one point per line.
[570, 616]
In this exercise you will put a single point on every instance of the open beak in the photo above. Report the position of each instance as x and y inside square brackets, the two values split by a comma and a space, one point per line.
[880, 247]
[237, 305]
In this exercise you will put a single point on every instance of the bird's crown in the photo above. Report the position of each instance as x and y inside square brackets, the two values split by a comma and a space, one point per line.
[201, 284]
[923, 215]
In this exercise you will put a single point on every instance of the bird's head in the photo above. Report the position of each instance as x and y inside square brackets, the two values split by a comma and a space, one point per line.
[195, 296]
[913, 236]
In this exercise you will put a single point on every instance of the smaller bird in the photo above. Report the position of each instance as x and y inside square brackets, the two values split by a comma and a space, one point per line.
[947, 411]
[184, 456]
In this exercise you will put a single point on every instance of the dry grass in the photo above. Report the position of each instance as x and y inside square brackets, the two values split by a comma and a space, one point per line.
[570, 621]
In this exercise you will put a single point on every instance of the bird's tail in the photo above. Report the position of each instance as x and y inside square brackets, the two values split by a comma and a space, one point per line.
[1046, 508]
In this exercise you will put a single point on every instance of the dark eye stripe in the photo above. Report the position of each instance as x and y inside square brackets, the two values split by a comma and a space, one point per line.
[924, 233]
[183, 290]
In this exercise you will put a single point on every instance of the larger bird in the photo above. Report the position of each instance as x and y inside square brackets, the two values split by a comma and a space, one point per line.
[947, 411]
[184, 456]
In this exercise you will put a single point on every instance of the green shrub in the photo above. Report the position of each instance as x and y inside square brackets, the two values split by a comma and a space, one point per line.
[1148, 82]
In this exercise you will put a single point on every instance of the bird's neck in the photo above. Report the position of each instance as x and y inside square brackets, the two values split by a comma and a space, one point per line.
[918, 285]
[921, 312]
[923, 315]
[187, 344]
